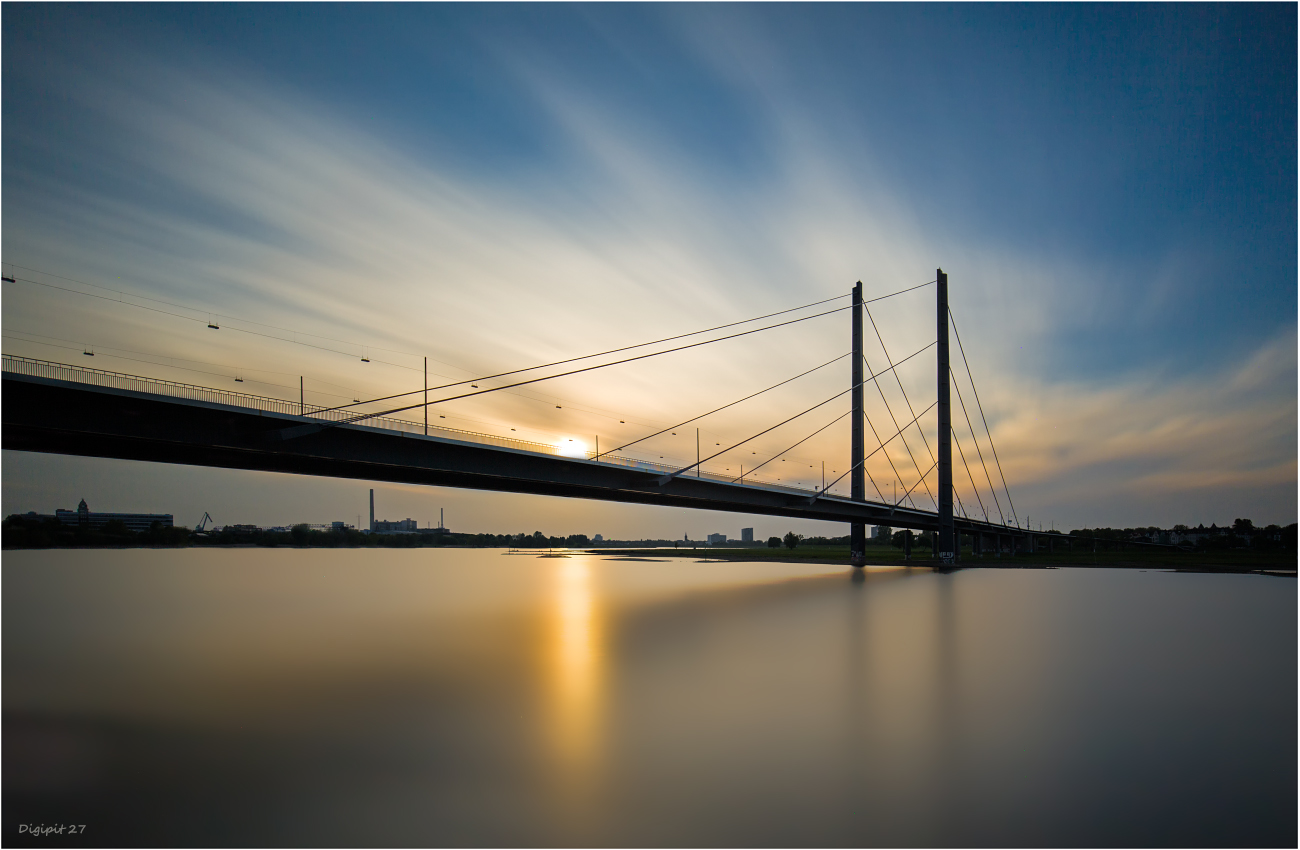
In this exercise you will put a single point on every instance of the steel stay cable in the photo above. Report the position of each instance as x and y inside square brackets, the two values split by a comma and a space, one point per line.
[906, 447]
[193, 319]
[170, 366]
[968, 473]
[873, 451]
[796, 445]
[986, 422]
[888, 359]
[889, 459]
[927, 472]
[725, 406]
[975, 440]
[562, 374]
[168, 357]
[665, 479]
[122, 292]
[642, 345]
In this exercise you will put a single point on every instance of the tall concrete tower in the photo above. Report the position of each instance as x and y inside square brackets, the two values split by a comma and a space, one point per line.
[372, 508]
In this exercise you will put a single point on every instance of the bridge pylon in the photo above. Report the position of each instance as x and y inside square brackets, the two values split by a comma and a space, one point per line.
[858, 450]
[947, 549]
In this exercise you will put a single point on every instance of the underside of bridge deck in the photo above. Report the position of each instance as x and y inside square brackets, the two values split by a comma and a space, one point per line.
[45, 415]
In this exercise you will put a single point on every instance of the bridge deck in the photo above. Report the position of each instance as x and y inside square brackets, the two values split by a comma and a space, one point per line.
[65, 409]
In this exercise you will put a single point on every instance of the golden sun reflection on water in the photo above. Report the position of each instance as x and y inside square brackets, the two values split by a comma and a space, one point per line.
[575, 672]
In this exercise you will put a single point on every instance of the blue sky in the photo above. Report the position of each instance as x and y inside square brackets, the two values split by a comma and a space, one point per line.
[1112, 188]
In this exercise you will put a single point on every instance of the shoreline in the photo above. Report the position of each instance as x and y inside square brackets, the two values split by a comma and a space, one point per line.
[1280, 564]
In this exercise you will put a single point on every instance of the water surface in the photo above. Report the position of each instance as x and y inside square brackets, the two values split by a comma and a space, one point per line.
[468, 697]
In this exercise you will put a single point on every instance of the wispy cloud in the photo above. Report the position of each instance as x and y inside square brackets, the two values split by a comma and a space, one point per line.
[255, 201]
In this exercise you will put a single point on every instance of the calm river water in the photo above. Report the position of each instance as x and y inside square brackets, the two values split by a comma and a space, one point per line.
[470, 697]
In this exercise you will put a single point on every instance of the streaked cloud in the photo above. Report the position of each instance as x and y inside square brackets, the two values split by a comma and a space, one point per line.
[244, 196]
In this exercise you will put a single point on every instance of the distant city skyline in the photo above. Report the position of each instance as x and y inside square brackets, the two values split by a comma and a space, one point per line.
[332, 193]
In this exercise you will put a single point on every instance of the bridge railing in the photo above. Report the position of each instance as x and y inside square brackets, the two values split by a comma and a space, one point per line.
[192, 392]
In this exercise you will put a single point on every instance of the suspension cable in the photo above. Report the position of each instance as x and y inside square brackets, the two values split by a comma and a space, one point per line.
[725, 406]
[986, 422]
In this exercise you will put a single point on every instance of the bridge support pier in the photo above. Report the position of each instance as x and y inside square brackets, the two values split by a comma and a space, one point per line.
[907, 545]
[1050, 548]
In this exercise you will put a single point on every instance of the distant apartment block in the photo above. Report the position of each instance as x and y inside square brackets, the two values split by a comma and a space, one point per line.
[717, 539]
[747, 535]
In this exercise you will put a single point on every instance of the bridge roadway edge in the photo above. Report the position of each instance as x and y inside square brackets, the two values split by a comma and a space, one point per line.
[52, 416]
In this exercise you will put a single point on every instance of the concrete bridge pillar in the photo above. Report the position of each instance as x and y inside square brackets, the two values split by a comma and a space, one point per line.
[907, 545]
[1050, 548]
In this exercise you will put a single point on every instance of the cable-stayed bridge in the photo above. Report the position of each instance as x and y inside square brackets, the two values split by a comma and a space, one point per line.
[69, 409]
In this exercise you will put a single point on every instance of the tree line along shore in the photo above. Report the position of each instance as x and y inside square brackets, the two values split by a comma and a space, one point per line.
[1241, 546]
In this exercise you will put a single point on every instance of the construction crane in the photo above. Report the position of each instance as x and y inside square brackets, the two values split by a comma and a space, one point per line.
[203, 523]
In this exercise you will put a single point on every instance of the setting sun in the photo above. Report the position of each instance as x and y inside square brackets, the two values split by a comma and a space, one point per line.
[572, 447]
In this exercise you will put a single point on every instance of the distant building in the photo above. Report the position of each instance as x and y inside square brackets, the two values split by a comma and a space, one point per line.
[747, 535]
[383, 525]
[881, 532]
[83, 517]
[598, 539]
[717, 539]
